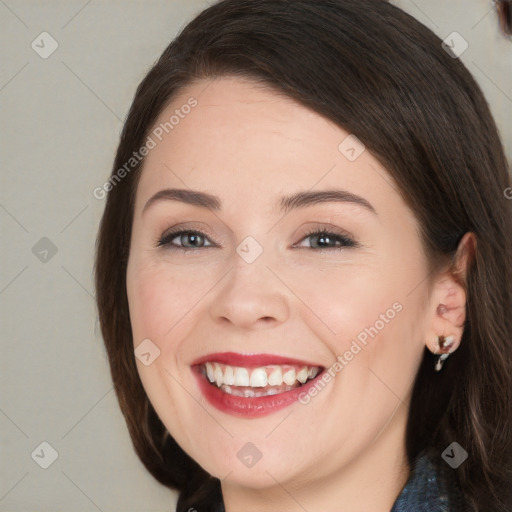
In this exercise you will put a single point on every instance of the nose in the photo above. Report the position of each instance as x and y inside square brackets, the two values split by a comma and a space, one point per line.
[251, 297]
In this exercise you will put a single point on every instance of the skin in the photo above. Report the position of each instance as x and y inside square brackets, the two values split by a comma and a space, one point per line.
[249, 145]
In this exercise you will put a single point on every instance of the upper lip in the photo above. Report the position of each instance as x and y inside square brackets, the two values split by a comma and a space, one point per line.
[251, 360]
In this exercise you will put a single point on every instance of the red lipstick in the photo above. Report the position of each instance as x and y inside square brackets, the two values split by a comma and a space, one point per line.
[251, 360]
[252, 406]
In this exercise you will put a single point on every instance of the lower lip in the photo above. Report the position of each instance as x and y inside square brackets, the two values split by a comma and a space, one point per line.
[254, 407]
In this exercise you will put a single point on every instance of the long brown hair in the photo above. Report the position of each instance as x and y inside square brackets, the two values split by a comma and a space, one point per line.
[383, 76]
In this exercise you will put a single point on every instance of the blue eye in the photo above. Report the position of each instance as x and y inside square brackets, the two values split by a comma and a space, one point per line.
[195, 239]
[328, 240]
[190, 240]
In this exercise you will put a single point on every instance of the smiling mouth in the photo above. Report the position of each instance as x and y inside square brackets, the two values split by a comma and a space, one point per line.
[257, 382]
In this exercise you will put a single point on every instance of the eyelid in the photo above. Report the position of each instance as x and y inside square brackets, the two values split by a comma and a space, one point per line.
[196, 227]
[347, 240]
[324, 227]
[165, 239]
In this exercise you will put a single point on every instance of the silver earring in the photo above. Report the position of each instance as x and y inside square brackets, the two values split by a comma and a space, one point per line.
[444, 344]
[440, 361]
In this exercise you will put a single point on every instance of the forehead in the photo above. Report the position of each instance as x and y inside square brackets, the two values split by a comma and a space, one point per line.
[248, 144]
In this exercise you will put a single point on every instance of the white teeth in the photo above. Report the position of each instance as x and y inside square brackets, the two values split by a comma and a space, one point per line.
[229, 376]
[219, 376]
[249, 393]
[241, 377]
[209, 372]
[289, 377]
[302, 375]
[276, 377]
[225, 376]
[258, 378]
[312, 373]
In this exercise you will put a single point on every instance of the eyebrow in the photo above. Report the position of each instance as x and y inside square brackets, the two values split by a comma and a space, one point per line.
[285, 204]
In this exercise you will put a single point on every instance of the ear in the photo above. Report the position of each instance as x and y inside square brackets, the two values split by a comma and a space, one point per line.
[448, 299]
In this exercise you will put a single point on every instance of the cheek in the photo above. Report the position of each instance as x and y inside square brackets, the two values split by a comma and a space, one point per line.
[371, 313]
[158, 304]
[158, 299]
[146, 300]
[163, 298]
[387, 335]
[341, 299]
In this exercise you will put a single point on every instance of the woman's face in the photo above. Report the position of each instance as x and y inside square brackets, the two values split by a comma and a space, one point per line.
[249, 299]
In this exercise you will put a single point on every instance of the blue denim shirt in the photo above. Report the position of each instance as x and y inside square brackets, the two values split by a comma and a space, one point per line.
[432, 487]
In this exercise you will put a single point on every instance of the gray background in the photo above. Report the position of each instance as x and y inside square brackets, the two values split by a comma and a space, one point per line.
[61, 121]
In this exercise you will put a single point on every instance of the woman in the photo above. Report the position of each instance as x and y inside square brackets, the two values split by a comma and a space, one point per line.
[304, 266]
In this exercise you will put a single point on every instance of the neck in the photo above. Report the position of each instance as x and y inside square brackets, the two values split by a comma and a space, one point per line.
[370, 481]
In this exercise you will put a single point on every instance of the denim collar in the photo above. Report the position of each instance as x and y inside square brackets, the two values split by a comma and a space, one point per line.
[432, 487]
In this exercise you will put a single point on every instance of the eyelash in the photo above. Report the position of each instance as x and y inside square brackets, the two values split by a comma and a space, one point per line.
[347, 242]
